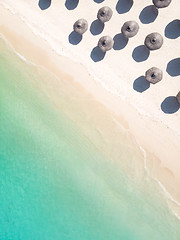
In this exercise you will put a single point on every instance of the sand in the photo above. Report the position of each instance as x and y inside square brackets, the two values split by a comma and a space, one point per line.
[42, 38]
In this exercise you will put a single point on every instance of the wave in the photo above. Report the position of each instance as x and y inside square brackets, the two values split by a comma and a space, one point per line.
[162, 187]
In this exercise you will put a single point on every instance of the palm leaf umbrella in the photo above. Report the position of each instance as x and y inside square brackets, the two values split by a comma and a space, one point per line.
[153, 41]
[178, 97]
[105, 43]
[80, 26]
[104, 14]
[130, 29]
[161, 3]
[154, 75]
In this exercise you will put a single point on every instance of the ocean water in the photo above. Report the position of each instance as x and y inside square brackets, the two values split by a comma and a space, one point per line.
[55, 183]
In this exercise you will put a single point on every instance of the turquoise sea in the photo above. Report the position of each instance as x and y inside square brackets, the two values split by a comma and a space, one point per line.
[56, 184]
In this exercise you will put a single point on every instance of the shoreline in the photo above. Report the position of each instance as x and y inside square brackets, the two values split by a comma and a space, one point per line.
[132, 120]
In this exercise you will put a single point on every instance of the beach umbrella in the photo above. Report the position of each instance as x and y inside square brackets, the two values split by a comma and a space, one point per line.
[105, 43]
[153, 41]
[161, 3]
[80, 26]
[104, 14]
[154, 75]
[130, 29]
[178, 97]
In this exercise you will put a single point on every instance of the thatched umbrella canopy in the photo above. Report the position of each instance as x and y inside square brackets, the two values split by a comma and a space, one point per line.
[130, 29]
[154, 75]
[153, 41]
[80, 26]
[104, 14]
[161, 3]
[105, 43]
[178, 97]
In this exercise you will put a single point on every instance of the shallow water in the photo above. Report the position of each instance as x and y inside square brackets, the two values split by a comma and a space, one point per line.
[55, 183]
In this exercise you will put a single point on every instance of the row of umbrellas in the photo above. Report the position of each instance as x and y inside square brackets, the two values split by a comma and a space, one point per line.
[129, 29]
[153, 41]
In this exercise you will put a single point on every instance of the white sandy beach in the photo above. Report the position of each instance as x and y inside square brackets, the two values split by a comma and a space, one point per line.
[42, 37]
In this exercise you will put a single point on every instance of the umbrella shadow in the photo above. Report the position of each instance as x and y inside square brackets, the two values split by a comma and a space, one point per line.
[44, 4]
[172, 30]
[141, 84]
[96, 27]
[148, 14]
[71, 4]
[124, 6]
[140, 53]
[170, 105]
[173, 67]
[120, 41]
[74, 38]
[98, 1]
[97, 55]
